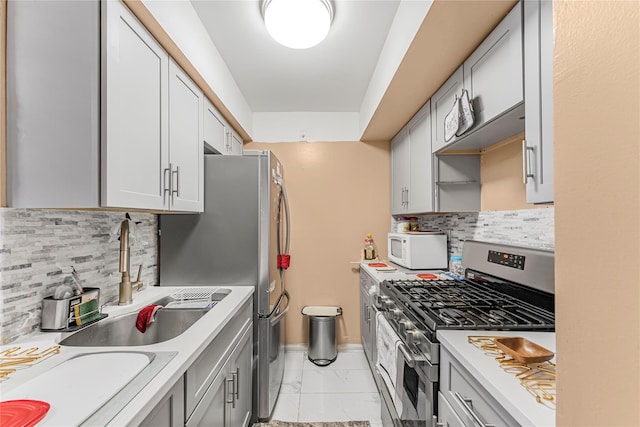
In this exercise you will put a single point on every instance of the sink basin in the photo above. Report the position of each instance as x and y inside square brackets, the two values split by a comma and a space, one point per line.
[121, 330]
[168, 324]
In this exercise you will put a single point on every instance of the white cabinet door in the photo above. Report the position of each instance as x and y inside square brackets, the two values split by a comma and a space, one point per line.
[241, 375]
[235, 144]
[215, 133]
[213, 409]
[538, 86]
[493, 72]
[420, 192]
[134, 111]
[399, 172]
[186, 152]
[170, 411]
[446, 414]
[441, 104]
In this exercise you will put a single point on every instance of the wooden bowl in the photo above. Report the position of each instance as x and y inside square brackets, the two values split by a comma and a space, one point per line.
[523, 350]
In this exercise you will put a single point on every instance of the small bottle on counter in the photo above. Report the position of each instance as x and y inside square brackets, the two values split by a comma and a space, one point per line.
[370, 251]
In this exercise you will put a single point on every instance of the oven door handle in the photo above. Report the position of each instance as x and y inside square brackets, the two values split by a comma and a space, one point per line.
[408, 358]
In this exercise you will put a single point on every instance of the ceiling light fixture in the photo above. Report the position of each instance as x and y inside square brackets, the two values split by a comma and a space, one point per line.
[298, 24]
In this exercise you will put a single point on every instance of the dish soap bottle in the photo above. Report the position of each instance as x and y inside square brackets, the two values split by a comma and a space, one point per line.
[370, 251]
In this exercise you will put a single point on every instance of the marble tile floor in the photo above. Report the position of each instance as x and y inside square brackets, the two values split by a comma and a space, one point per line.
[342, 391]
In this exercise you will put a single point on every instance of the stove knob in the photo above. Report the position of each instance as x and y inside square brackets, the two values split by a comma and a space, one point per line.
[413, 336]
[396, 313]
[405, 325]
[388, 304]
[380, 300]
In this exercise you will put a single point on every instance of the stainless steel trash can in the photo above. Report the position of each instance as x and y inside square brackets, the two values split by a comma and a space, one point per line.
[322, 333]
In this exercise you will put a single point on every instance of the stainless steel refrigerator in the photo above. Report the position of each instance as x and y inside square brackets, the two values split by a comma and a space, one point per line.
[241, 239]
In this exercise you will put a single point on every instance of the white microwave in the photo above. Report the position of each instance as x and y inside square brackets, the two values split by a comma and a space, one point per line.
[420, 251]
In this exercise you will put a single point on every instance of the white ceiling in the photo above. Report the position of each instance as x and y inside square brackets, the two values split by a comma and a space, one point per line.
[330, 77]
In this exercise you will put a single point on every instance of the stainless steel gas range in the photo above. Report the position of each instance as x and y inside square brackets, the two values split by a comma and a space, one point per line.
[504, 288]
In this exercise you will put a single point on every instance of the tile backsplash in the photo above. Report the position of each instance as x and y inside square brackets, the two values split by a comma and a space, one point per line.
[530, 227]
[38, 248]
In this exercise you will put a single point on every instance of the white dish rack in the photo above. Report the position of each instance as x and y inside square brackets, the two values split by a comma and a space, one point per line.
[193, 298]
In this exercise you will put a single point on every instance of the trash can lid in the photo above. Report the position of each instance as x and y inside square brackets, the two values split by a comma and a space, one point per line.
[321, 310]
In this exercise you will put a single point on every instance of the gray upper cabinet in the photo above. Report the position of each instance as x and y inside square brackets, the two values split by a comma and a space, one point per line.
[219, 137]
[399, 171]
[235, 144]
[420, 193]
[49, 162]
[493, 72]
[538, 79]
[411, 166]
[493, 77]
[135, 95]
[95, 117]
[186, 152]
[215, 133]
[441, 104]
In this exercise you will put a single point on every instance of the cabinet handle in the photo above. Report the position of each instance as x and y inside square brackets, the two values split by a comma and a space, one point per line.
[229, 388]
[177, 188]
[407, 190]
[166, 185]
[367, 308]
[526, 162]
[236, 382]
[468, 406]
[435, 423]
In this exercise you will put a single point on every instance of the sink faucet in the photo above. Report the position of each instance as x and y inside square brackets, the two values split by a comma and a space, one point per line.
[126, 286]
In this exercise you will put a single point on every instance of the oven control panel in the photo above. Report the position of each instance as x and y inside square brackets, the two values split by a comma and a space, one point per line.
[507, 259]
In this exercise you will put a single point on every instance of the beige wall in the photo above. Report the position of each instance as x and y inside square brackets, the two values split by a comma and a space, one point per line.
[501, 176]
[597, 182]
[338, 192]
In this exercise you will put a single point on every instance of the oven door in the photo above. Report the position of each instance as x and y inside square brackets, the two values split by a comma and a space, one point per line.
[417, 389]
[412, 398]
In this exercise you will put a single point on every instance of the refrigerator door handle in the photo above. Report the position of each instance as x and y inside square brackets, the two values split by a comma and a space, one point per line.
[274, 320]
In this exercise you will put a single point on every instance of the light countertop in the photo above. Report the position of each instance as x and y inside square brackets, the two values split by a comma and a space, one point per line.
[503, 386]
[395, 272]
[186, 347]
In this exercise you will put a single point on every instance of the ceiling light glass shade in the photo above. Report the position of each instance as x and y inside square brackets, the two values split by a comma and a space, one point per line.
[298, 24]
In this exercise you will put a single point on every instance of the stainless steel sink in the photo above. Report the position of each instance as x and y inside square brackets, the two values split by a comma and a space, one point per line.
[121, 330]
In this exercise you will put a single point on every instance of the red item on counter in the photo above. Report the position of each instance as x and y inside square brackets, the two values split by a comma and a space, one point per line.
[146, 317]
[22, 413]
[284, 260]
[427, 276]
[377, 264]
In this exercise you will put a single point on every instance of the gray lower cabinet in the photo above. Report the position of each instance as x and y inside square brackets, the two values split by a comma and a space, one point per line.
[447, 416]
[218, 385]
[216, 390]
[538, 88]
[471, 403]
[170, 411]
[227, 401]
[368, 318]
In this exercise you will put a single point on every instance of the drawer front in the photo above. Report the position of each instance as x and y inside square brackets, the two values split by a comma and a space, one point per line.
[447, 416]
[201, 374]
[473, 404]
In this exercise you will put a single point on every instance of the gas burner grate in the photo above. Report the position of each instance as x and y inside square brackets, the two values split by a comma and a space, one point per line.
[468, 305]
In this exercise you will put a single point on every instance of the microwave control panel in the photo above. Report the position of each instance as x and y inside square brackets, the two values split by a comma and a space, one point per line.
[506, 259]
